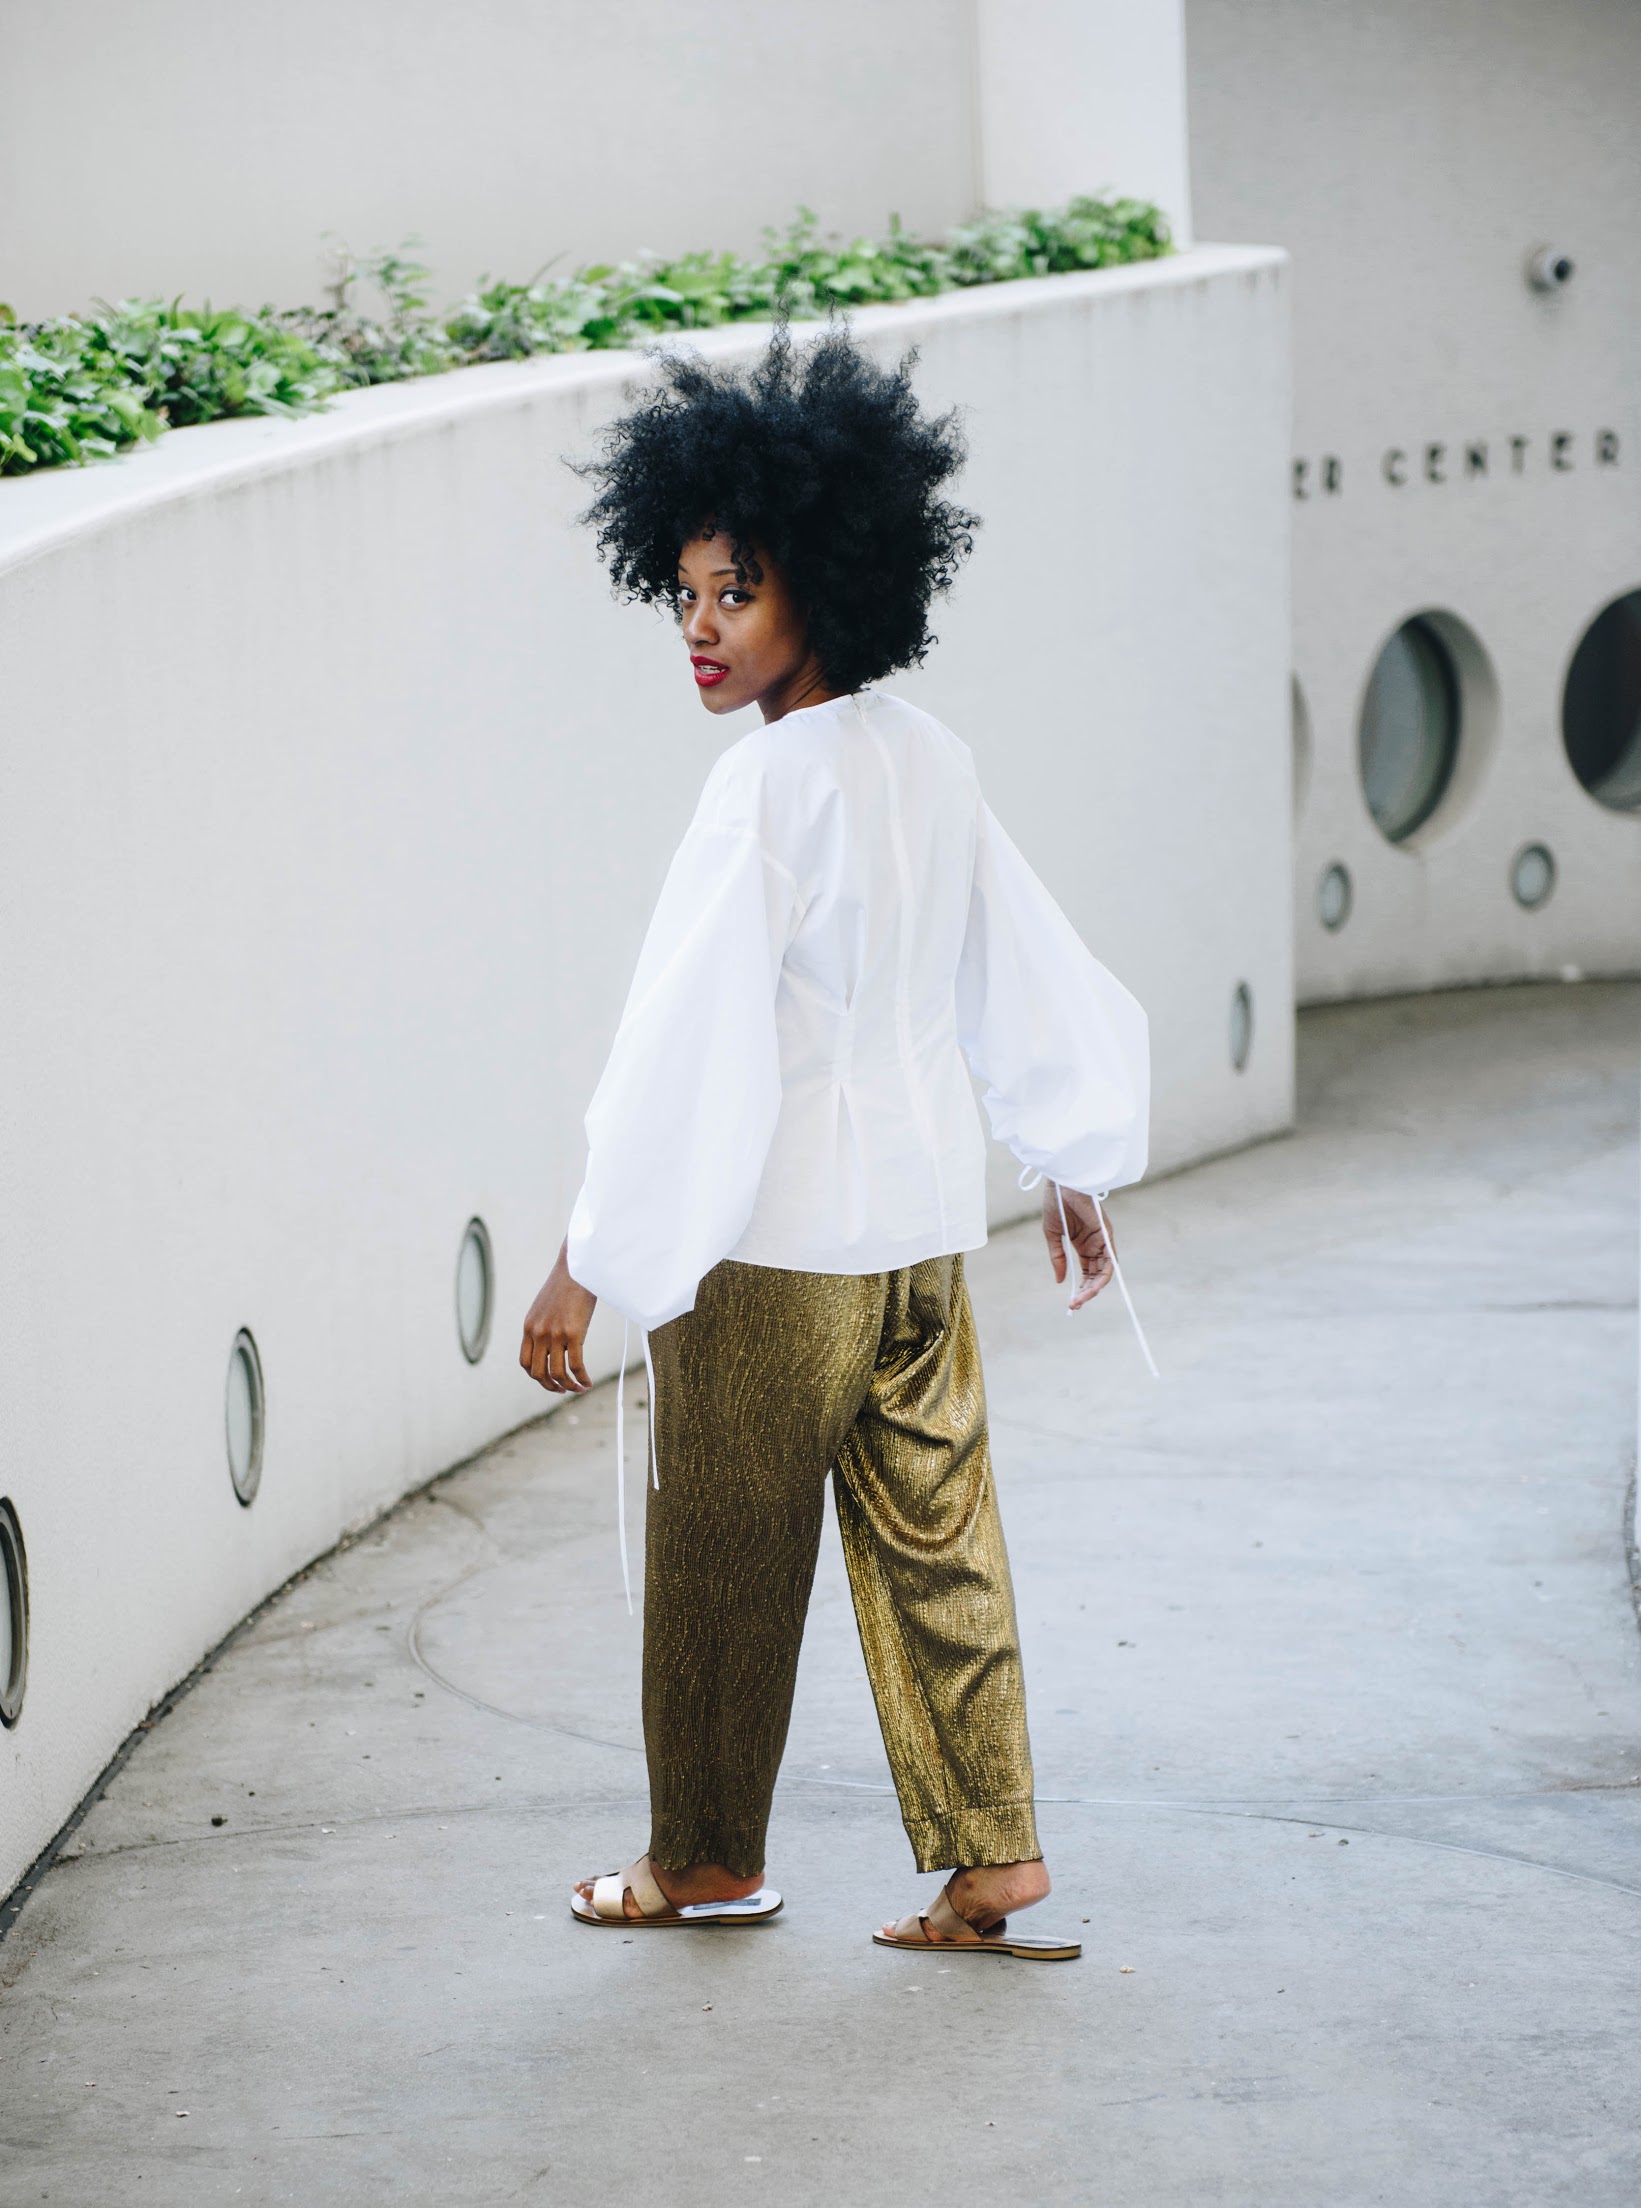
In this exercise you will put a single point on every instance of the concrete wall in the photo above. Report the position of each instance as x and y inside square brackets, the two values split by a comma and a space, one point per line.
[185, 148]
[1082, 95]
[205, 148]
[334, 793]
[1410, 155]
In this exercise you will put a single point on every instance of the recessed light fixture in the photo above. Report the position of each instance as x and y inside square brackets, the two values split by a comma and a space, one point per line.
[1532, 876]
[246, 1417]
[475, 1290]
[13, 1616]
[1333, 897]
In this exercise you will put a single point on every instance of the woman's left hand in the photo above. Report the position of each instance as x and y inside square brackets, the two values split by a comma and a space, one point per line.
[555, 1332]
[1092, 1248]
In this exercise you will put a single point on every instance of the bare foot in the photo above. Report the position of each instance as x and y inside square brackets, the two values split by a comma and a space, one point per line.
[697, 1882]
[987, 1894]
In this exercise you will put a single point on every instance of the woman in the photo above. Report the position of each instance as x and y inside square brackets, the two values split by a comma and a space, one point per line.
[785, 1163]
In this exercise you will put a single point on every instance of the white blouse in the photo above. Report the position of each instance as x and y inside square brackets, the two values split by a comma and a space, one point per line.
[843, 925]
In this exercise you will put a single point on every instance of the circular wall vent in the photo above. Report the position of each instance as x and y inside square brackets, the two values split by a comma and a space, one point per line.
[1532, 876]
[1333, 897]
[246, 1417]
[13, 1616]
[475, 1290]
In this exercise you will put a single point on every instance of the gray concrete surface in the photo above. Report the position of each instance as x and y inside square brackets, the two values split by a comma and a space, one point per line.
[1337, 1706]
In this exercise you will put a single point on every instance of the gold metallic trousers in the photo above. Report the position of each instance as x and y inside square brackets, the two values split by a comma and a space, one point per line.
[774, 1379]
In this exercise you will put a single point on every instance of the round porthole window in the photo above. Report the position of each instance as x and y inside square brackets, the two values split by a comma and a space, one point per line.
[475, 1290]
[1601, 706]
[1408, 740]
[1532, 876]
[246, 1418]
[1242, 1025]
[1333, 897]
[13, 1616]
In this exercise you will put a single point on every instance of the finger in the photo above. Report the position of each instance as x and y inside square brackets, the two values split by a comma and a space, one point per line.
[573, 1357]
[1056, 1248]
[539, 1363]
[560, 1373]
[1091, 1249]
[1096, 1275]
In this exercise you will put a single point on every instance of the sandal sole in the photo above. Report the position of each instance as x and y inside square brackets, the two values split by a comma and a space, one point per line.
[676, 1924]
[1023, 1951]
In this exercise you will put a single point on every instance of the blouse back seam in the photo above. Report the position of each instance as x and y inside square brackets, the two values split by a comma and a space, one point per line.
[903, 870]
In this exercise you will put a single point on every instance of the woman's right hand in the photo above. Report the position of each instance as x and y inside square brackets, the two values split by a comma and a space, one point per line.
[555, 1331]
[1092, 1246]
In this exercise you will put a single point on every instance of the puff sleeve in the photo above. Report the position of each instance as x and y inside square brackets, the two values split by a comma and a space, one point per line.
[1059, 1046]
[680, 1125]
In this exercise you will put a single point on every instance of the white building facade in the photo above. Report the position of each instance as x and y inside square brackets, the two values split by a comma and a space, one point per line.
[1457, 186]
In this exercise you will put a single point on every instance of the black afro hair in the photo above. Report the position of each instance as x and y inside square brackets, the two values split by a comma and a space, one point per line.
[818, 458]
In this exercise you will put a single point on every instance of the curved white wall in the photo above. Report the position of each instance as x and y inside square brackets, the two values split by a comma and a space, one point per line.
[334, 794]
[1411, 155]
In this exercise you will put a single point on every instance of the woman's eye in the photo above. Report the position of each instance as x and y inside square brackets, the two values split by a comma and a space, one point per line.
[737, 598]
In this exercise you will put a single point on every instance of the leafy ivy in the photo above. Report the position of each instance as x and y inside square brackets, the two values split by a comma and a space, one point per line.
[79, 387]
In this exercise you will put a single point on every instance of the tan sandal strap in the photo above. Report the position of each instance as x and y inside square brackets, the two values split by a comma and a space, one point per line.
[645, 1890]
[608, 1891]
[941, 1917]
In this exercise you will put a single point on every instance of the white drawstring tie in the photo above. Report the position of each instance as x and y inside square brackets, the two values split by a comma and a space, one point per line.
[1031, 1177]
[621, 1461]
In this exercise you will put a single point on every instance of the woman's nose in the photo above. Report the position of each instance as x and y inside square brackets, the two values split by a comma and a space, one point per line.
[698, 627]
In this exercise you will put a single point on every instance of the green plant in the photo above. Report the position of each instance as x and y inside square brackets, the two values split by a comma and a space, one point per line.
[79, 387]
[64, 396]
[1089, 233]
[200, 364]
[406, 339]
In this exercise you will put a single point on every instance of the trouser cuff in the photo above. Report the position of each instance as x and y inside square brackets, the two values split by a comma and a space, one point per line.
[999, 1832]
[680, 1848]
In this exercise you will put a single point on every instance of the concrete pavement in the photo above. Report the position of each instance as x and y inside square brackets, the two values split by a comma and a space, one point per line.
[1337, 1709]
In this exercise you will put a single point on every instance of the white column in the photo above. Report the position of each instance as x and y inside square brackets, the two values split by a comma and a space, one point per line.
[1082, 96]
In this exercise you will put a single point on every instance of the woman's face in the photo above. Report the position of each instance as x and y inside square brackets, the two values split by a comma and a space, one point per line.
[744, 633]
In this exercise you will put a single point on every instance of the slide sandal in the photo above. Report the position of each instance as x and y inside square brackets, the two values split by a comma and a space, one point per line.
[610, 1891]
[959, 1937]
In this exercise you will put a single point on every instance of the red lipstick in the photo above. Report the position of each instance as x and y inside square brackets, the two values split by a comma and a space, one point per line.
[708, 672]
